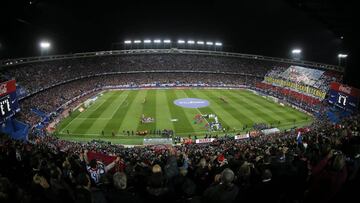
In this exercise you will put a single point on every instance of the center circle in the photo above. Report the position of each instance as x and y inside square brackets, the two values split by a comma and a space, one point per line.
[191, 102]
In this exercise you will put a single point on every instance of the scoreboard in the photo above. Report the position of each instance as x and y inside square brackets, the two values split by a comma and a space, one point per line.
[8, 100]
[344, 97]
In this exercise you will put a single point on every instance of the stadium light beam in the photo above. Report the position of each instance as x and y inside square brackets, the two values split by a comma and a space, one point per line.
[137, 41]
[180, 41]
[45, 45]
[191, 42]
[296, 51]
[147, 41]
[209, 43]
[157, 41]
[200, 42]
[167, 41]
[342, 55]
[218, 44]
[127, 41]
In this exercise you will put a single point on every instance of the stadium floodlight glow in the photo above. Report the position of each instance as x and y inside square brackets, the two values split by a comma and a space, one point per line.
[180, 41]
[127, 41]
[218, 44]
[342, 55]
[191, 42]
[157, 41]
[167, 41]
[200, 42]
[45, 45]
[209, 43]
[147, 41]
[296, 51]
[137, 41]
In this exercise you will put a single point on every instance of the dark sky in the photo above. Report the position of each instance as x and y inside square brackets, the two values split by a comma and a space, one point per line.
[271, 27]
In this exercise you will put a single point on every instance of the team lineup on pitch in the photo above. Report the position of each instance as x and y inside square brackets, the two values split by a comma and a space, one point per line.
[120, 115]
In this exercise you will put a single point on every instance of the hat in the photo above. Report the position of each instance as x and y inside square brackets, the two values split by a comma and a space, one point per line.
[220, 158]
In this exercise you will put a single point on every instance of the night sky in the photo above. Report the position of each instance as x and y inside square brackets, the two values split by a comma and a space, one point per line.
[270, 28]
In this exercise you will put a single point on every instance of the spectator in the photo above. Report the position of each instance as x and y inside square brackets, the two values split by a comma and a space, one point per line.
[225, 191]
[121, 192]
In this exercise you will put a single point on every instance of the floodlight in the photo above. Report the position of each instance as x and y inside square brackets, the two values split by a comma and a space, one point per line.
[137, 41]
[157, 41]
[191, 42]
[342, 55]
[209, 43]
[127, 41]
[296, 51]
[147, 41]
[200, 42]
[181, 41]
[218, 44]
[167, 41]
[45, 45]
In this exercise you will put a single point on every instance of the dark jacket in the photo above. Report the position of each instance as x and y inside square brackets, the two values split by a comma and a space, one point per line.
[221, 193]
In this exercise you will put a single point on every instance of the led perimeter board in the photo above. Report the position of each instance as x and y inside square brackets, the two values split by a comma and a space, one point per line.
[8, 100]
[344, 97]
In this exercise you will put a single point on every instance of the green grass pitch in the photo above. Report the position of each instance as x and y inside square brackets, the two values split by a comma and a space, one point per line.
[120, 110]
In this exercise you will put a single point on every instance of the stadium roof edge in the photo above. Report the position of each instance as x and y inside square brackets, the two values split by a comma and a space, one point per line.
[17, 61]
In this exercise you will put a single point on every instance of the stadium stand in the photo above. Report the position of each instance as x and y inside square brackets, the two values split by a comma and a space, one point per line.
[318, 163]
[321, 166]
[47, 84]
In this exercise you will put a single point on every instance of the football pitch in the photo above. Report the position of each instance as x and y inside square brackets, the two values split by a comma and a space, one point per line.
[117, 115]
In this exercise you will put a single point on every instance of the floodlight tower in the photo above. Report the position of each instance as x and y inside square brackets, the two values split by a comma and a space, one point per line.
[190, 43]
[137, 43]
[200, 44]
[180, 43]
[340, 57]
[218, 44]
[157, 42]
[209, 45]
[128, 44]
[296, 54]
[147, 42]
[167, 42]
[44, 47]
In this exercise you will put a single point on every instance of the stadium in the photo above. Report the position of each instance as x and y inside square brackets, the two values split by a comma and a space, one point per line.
[176, 119]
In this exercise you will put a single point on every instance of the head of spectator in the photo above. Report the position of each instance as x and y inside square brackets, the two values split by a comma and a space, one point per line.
[120, 181]
[93, 164]
[227, 176]
[338, 162]
[266, 176]
[202, 163]
[156, 168]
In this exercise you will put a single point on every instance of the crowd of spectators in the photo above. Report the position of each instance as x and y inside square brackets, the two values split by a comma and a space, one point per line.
[322, 166]
[40, 75]
[322, 83]
[288, 96]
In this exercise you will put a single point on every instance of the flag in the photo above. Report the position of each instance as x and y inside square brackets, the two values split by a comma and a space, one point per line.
[106, 159]
[299, 138]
